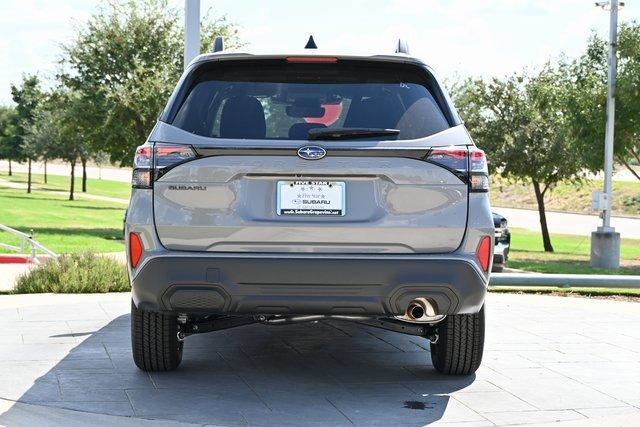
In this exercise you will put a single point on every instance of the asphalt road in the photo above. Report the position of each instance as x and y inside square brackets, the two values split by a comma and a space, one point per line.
[65, 360]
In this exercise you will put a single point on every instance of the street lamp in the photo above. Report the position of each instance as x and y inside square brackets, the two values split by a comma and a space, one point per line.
[605, 242]
[191, 30]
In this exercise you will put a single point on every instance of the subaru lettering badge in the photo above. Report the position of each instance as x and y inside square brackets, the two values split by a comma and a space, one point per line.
[311, 152]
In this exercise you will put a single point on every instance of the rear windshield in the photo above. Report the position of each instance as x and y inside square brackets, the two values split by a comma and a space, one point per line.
[280, 100]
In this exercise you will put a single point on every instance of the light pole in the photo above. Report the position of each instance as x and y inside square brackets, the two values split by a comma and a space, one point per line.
[191, 30]
[605, 242]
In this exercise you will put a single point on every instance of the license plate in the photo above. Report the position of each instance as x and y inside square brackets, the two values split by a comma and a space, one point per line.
[319, 198]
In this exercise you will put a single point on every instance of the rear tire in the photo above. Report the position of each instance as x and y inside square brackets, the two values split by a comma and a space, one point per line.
[154, 340]
[460, 344]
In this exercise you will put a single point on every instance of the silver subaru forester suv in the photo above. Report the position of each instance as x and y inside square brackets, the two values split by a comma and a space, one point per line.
[278, 189]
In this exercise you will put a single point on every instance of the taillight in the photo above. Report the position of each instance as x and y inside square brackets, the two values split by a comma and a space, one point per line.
[157, 158]
[135, 249]
[168, 155]
[478, 171]
[141, 177]
[469, 163]
[450, 157]
[483, 253]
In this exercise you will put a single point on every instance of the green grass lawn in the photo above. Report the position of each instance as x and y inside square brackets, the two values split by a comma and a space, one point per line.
[571, 254]
[61, 225]
[100, 187]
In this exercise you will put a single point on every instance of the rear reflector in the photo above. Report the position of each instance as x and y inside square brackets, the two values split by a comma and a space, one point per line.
[135, 249]
[311, 60]
[483, 253]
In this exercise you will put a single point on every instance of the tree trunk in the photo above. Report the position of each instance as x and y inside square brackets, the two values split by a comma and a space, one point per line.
[29, 178]
[84, 175]
[629, 167]
[45, 171]
[546, 239]
[73, 179]
[635, 153]
[10, 168]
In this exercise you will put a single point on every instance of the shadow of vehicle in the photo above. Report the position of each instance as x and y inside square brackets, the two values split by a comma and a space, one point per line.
[326, 373]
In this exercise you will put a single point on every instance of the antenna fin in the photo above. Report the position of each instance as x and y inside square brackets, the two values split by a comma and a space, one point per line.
[311, 44]
[402, 47]
[218, 44]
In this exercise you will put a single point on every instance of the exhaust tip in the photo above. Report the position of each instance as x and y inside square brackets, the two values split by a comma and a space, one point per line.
[415, 311]
[421, 309]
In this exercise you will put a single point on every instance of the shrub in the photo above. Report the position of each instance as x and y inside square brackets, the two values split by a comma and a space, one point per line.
[75, 273]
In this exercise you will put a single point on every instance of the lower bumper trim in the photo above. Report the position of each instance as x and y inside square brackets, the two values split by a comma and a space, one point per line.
[373, 286]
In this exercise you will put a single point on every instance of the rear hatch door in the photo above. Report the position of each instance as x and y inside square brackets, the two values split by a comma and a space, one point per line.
[278, 168]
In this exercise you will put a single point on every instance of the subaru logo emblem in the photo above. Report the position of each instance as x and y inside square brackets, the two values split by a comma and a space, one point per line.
[312, 152]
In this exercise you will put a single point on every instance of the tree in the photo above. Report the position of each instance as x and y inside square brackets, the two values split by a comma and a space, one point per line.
[520, 122]
[40, 139]
[27, 96]
[628, 97]
[8, 148]
[586, 100]
[124, 64]
[70, 136]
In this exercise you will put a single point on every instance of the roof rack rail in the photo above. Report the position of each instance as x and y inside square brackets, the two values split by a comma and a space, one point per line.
[311, 43]
[402, 47]
[218, 44]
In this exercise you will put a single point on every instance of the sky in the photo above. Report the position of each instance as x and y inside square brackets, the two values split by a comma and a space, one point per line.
[456, 37]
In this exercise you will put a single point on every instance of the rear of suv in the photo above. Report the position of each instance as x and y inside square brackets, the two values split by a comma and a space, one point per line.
[289, 188]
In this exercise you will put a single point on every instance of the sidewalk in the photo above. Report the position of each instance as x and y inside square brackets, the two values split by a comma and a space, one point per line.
[9, 273]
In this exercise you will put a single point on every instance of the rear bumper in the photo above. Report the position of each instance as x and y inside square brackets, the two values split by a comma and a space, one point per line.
[306, 284]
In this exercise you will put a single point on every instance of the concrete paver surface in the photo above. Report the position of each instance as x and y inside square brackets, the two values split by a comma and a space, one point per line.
[547, 359]
[9, 273]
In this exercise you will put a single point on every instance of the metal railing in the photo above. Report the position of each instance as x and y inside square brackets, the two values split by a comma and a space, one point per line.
[26, 242]
[564, 280]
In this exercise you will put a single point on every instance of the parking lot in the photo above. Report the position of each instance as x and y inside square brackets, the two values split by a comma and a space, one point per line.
[547, 359]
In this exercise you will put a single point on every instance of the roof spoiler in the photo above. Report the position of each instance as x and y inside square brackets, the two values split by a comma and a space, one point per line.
[402, 47]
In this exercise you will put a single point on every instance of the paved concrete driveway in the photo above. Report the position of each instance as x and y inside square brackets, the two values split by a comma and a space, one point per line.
[547, 359]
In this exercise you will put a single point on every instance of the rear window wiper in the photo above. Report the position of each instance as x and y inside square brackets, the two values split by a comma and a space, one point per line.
[350, 133]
